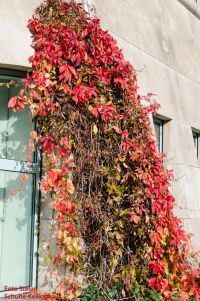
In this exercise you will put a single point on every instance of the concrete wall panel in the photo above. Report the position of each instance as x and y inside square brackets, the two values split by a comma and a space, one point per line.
[14, 36]
[161, 39]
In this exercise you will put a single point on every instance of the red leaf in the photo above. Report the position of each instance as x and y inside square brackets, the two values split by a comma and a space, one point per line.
[66, 72]
[16, 103]
[134, 218]
[33, 134]
[95, 112]
[69, 227]
[73, 71]
[152, 282]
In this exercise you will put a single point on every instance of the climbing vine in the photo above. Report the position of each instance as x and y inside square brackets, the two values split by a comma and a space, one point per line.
[108, 187]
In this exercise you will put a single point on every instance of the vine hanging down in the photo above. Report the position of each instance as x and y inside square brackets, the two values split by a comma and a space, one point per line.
[115, 228]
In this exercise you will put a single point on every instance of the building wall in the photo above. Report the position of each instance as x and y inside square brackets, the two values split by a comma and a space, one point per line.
[14, 36]
[161, 40]
[15, 41]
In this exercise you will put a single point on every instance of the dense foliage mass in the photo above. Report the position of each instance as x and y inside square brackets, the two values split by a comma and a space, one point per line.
[115, 228]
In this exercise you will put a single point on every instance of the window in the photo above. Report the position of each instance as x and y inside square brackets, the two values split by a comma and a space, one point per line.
[196, 142]
[158, 126]
[18, 198]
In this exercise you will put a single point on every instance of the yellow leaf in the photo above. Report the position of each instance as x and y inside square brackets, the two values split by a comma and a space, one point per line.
[75, 245]
[68, 241]
[90, 108]
[120, 224]
[124, 212]
[123, 293]
[70, 186]
[95, 129]
[114, 261]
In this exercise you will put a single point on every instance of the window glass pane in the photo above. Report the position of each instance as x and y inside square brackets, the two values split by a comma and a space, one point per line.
[158, 127]
[157, 132]
[3, 120]
[196, 141]
[15, 229]
[14, 126]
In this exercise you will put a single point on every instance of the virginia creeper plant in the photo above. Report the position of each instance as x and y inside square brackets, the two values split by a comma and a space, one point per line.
[109, 190]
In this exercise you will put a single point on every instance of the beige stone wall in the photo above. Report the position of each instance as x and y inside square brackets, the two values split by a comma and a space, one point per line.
[162, 40]
[14, 36]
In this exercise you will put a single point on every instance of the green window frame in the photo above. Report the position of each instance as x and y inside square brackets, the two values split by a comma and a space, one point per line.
[16, 167]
